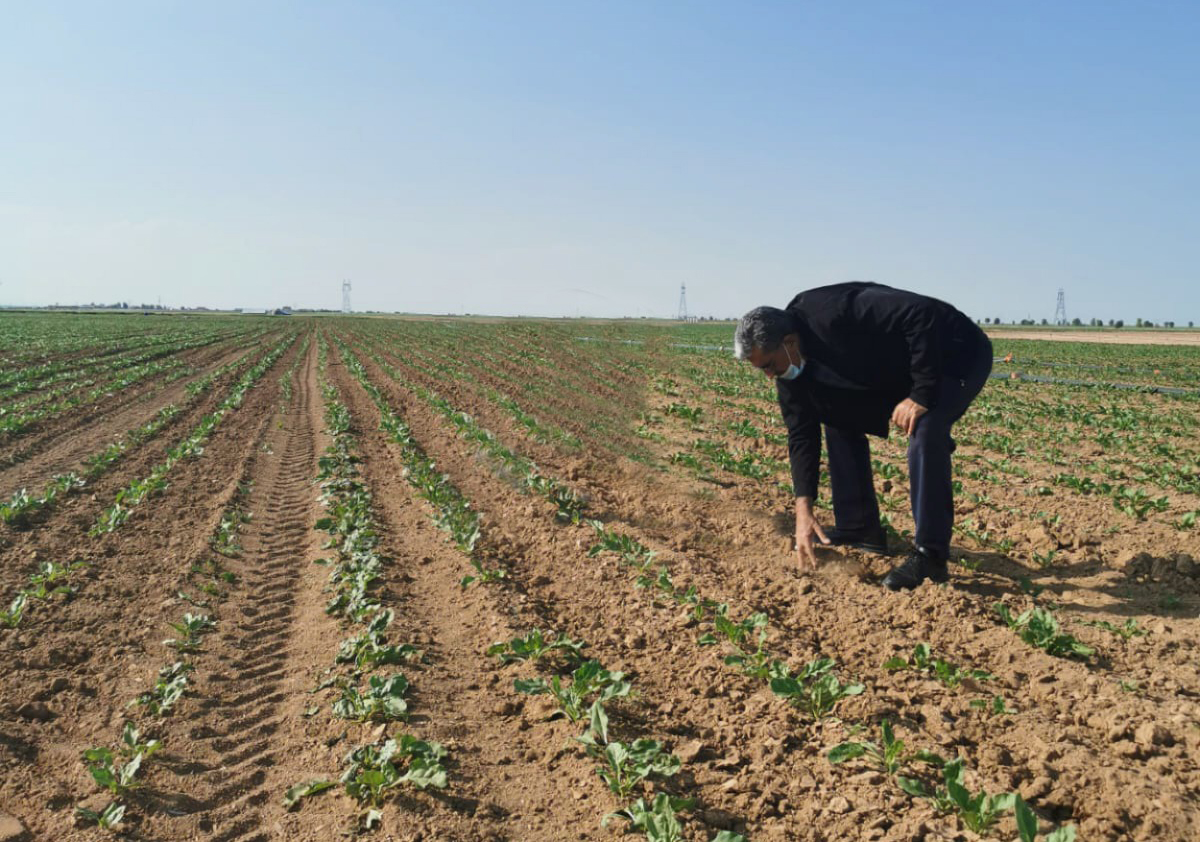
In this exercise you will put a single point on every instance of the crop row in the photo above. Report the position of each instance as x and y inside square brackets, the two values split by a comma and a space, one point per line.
[18, 510]
[585, 686]
[373, 771]
[117, 771]
[191, 446]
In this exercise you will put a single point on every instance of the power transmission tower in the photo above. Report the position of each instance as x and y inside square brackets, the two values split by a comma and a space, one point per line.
[683, 314]
[345, 296]
[1060, 309]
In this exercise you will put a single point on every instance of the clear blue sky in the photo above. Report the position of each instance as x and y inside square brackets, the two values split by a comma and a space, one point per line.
[568, 157]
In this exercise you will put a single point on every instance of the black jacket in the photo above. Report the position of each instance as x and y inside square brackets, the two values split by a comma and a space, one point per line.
[868, 347]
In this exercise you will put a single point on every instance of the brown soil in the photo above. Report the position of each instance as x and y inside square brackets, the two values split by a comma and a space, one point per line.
[1118, 761]
[58, 445]
[1104, 337]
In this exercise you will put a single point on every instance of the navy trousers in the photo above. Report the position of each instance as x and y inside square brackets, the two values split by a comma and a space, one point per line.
[852, 485]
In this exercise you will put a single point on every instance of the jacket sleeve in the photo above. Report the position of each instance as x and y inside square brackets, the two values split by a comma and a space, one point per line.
[915, 317]
[804, 439]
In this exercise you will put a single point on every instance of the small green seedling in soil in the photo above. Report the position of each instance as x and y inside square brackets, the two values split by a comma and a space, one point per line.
[1028, 587]
[383, 701]
[132, 745]
[1129, 629]
[16, 609]
[888, 758]
[172, 681]
[1027, 826]
[109, 773]
[106, 819]
[922, 660]
[373, 769]
[996, 707]
[44, 581]
[658, 820]
[1038, 627]
[295, 794]
[589, 679]
[536, 645]
[815, 689]
[484, 575]
[189, 631]
[978, 812]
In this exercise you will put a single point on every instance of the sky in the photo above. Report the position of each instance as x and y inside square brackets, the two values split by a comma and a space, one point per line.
[588, 158]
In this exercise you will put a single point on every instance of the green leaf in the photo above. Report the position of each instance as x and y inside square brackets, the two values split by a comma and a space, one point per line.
[1027, 823]
[846, 751]
[912, 786]
[1062, 834]
[599, 722]
[292, 797]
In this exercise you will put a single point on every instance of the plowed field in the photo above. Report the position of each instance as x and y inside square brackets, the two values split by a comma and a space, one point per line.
[341, 501]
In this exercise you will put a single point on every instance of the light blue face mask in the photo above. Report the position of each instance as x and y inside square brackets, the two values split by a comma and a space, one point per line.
[793, 370]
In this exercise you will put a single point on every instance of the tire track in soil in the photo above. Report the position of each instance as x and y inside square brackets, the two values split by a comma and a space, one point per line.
[252, 669]
[106, 641]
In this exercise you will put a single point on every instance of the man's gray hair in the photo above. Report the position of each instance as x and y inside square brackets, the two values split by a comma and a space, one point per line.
[762, 328]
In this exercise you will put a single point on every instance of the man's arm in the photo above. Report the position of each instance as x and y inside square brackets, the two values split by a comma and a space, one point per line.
[804, 454]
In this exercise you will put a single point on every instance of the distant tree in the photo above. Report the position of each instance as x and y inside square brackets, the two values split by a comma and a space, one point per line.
[1139, 323]
[1030, 321]
[1168, 324]
[1190, 324]
[1076, 322]
[996, 321]
[1045, 321]
[1119, 323]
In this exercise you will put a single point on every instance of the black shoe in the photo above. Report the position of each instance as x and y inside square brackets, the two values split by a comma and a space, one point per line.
[916, 569]
[871, 540]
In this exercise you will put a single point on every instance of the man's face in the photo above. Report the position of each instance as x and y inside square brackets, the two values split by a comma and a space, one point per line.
[775, 363]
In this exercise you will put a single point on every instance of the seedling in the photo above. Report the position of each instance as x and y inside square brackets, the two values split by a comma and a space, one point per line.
[888, 758]
[658, 820]
[225, 541]
[815, 689]
[588, 680]
[978, 812]
[106, 819]
[109, 773]
[370, 648]
[944, 671]
[631, 551]
[172, 681]
[132, 745]
[1038, 627]
[625, 766]
[536, 645]
[373, 769]
[383, 701]
[1129, 629]
[295, 794]
[44, 582]
[996, 707]
[483, 575]
[189, 630]
[1027, 826]
[16, 609]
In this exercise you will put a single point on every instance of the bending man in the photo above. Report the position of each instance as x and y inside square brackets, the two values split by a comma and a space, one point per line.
[852, 357]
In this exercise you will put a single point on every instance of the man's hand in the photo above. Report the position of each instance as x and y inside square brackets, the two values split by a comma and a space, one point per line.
[905, 415]
[807, 529]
